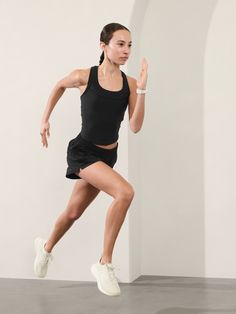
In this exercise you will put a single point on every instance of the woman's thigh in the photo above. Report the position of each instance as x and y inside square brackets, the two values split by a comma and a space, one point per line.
[82, 195]
[105, 178]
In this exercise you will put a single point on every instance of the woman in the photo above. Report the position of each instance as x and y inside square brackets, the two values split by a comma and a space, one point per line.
[105, 94]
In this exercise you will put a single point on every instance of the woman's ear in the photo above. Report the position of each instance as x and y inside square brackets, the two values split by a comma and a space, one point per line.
[102, 45]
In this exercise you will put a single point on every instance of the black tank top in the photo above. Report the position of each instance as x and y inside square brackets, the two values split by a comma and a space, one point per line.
[102, 110]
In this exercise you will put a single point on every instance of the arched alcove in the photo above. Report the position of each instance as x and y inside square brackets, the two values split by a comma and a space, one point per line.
[166, 157]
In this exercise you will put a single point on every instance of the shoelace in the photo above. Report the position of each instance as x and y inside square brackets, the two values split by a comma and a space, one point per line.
[112, 275]
[47, 257]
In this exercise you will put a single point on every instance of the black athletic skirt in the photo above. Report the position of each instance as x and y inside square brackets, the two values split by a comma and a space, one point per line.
[82, 153]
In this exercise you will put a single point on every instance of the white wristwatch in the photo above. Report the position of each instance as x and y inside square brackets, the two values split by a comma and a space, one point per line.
[141, 91]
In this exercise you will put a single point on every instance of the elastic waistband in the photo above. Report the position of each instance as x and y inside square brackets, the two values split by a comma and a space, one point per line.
[92, 145]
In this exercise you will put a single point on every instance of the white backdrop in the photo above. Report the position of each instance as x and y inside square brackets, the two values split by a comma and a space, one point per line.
[181, 164]
[42, 42]
[186, 151]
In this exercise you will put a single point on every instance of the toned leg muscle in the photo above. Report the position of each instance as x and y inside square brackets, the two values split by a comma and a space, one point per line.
[82, 195]
[105, 178]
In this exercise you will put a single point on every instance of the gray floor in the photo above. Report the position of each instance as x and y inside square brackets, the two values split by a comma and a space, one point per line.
[146, 295]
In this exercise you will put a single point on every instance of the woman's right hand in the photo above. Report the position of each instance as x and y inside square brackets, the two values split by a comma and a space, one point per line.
[44, 132]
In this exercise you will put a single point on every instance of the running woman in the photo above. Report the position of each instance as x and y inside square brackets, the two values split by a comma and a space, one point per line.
[105, 94]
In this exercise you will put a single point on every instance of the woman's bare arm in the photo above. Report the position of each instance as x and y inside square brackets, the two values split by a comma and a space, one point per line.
[74, 79]
[71, 80]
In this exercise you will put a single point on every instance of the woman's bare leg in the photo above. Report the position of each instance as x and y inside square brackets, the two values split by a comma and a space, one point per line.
[108, 180]
[82, 195]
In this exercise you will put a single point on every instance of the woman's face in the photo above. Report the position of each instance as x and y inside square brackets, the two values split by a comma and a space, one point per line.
[119, 47]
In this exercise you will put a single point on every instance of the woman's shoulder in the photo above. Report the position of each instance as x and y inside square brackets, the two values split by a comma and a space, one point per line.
[131, 81]
[130, 78]
[83, 74]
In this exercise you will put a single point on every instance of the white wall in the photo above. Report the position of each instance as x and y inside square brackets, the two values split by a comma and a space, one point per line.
[219, 142]
[42, 41]
[170, 147]
[186, 148]
[135, 162]
[181, 164]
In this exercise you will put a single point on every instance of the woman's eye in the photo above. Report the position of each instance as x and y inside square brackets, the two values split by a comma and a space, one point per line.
[123, 45]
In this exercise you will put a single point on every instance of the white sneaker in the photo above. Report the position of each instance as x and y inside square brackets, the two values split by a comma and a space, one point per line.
[106, 279]
[42, 258]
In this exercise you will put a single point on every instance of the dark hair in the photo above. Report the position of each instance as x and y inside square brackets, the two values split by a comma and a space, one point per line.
[107, 33]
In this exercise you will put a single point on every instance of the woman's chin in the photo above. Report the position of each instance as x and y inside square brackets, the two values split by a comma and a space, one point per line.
[123, 61]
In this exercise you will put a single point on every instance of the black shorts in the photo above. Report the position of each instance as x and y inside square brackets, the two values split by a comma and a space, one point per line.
[82, 153]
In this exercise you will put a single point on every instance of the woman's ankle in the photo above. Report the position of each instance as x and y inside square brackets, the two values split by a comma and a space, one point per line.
[104, 260]
[47, 248]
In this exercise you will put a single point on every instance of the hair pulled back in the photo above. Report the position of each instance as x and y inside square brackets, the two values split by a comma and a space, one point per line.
[107, 33]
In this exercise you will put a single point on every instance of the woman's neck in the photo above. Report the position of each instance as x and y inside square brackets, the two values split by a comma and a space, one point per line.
[109, 69]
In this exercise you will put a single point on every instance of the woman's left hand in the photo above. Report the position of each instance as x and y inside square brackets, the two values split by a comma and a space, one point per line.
[142, 80]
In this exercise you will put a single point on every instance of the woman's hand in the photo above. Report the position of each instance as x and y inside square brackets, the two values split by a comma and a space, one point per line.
[142, 80]
[44, 132]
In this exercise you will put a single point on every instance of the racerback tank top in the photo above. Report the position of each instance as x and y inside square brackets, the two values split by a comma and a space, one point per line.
[102, 111]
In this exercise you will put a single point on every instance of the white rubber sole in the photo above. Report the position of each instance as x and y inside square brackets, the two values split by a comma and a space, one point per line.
[35, 260]
[94, 272]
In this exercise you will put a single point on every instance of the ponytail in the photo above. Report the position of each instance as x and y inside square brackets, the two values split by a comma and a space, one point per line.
[101, 58]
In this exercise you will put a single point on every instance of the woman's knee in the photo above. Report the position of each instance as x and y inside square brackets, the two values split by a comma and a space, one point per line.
[126, 193]
[82, 195]
[73, 213]
[75, 208]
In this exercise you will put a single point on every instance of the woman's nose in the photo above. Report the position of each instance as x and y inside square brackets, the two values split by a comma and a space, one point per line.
[127, 50]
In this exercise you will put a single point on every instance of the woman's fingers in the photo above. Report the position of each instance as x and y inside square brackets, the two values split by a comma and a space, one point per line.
[45, 143]
[45, 131]
[142, 80]
[44, 139]
[144, 64]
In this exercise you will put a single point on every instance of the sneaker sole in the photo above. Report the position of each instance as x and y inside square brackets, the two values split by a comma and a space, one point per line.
[36, 251]
[94, 272]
